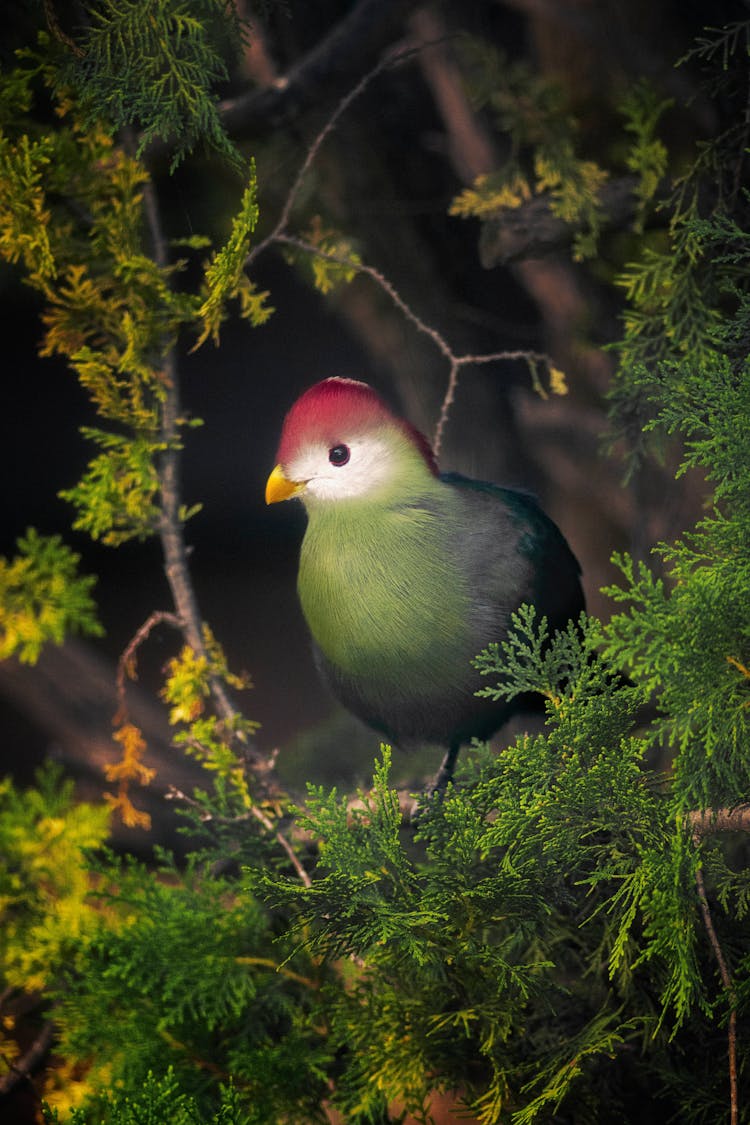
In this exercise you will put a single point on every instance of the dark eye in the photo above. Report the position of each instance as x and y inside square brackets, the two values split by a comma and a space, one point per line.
[338, 455]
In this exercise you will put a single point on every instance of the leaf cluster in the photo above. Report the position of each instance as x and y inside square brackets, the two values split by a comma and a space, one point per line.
[544, 157]
[204, 735]
[546, 929]
[160, 1099]
[155, 66]
[44, 882]
[43, 598]
[182, 975]
[687, 292]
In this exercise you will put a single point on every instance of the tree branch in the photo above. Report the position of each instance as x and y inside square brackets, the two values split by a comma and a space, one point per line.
[456, 362]
[704, 822]
[170, 519]
[253, 813]
[127, 661]
[322, 75]
[25, 1066]
[726, 980]
[533, 231]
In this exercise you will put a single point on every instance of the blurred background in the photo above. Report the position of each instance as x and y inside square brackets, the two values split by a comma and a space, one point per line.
[386, 177]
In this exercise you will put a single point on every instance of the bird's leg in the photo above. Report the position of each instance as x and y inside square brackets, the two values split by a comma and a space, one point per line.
[445, 773]
[437, 787]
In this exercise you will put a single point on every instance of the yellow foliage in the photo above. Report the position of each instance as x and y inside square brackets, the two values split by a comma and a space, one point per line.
[328, 274]
[130, 767]
[121, 805]
[68, 1084]
[558, 384]
[45, 905]
[187, 686]
[489, 195]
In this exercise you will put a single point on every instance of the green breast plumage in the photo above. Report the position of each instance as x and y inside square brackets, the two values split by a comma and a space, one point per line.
[381, 593]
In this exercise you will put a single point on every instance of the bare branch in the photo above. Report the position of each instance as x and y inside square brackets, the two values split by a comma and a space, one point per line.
[704, 822]
[253, 813]
[25, 1066]
[351, 96]
[456, 362]
[533, 231]
[326, 72]
[170, 518]
[280, 235]
[126, 663]
[726, 980]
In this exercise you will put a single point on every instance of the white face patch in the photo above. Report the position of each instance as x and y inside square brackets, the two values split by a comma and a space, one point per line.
[370, 465]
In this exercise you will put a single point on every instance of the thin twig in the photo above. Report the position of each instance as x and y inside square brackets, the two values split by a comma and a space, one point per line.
[456, 361]
[253, 813]
[704, 822]
[127, 662]
[281, 236]
[283, 221]
[54, 25]
[379, 278]
[726, 980]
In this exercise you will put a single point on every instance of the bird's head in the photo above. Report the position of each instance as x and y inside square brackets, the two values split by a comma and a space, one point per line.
[340, 441]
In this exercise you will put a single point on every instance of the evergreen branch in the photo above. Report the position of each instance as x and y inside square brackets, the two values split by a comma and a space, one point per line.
[201, 1063]
[42, 597]
[534, 229]
[155, 67]
[254, 813]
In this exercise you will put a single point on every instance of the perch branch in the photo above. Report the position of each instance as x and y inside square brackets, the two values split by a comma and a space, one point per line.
[704, 822]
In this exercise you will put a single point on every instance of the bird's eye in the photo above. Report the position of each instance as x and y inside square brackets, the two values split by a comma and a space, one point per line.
[338, 455]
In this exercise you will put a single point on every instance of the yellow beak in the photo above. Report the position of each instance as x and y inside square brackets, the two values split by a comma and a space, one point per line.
[279, 488]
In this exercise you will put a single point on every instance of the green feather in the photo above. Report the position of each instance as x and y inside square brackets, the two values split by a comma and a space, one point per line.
[379, 588]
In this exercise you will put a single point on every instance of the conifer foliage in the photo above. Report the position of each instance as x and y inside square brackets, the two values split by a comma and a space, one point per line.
[563, 935]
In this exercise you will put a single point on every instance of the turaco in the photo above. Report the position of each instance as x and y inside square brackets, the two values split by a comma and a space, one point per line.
[406, 573]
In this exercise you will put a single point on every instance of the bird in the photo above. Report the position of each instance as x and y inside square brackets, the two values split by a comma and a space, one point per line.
[405, 573]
